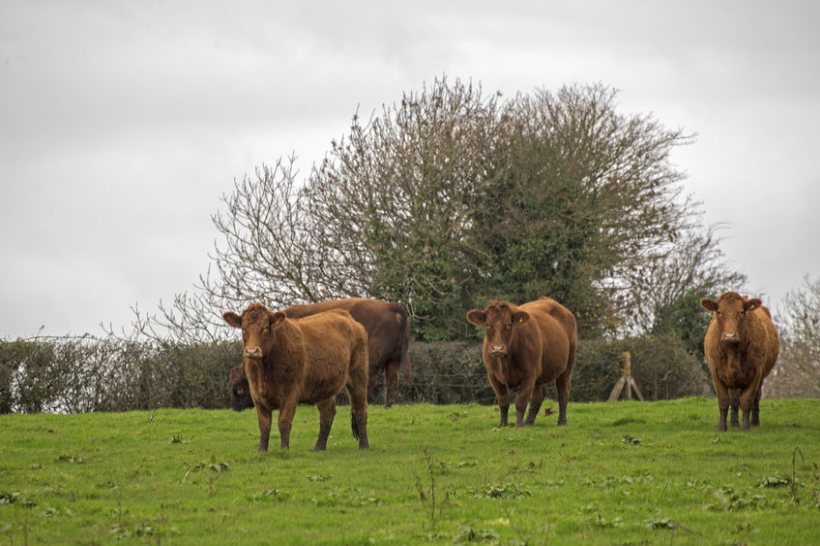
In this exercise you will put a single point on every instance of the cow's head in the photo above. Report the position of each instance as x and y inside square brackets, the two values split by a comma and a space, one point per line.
[499, 320]
[240, 390]
[730, 311]
[258, 325]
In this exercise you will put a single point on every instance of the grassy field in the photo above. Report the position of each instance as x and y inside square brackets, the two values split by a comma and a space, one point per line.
[623, 473]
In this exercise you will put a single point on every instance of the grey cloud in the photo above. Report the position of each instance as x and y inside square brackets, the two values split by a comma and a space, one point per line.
[124, 122]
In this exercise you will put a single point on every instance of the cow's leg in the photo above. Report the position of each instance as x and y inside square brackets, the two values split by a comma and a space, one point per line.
[723, 401]
[538, 394]
[286, 413]
[391, 382]
[562, 386]
[359, 420]
[357, 390]
[756, 407]
[502, 395]
[372, 378]
[525, 392]
[263, 415]
[327, 411]
[747, 399]
[734, 405]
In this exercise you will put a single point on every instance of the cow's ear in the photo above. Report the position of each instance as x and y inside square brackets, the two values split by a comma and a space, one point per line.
[752, 304]
[235, 374]
[232, 319]
[277, 318]
[520, 317]
[708, 304]
[477, 317]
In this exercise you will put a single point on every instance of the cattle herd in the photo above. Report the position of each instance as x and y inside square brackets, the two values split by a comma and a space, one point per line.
[307, 354]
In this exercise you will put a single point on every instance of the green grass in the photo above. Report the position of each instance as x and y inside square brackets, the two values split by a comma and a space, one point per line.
[623, 473]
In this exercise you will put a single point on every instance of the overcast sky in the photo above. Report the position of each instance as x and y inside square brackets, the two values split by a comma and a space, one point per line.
[122, 123]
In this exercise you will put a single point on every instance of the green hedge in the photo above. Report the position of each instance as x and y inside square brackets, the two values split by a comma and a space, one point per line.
[76, 375]
[85, 374]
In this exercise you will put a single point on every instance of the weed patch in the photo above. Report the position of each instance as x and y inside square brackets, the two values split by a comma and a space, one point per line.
[660, 523]
[270, 495]
[730, 499]
[502, 491]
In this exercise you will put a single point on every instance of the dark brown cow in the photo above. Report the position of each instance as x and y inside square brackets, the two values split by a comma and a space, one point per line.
[741, 347]
[240, 390]
[303, 361]
[387, 331]
[528, 346]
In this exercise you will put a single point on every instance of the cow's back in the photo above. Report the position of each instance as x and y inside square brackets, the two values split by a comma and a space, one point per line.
[557, 335]
[387, 328]
[561, 315]
[330, 338]
[770, 342]
[331, 332]
[305, 310]
[385, 323]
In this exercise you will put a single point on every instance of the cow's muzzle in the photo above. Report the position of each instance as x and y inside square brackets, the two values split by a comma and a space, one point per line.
[730, 337]
[498, 350]
[254, 353]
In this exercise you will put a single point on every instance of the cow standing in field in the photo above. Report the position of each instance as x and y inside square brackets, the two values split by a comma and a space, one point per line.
[388, 339]
[741, 347]
[526, 347]
[303, 361]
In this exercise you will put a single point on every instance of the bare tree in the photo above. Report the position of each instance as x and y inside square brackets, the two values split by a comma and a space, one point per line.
[797, 372]
[267, 253]
[589, 196]
[395, 199]
[693, 265]
[452, 196]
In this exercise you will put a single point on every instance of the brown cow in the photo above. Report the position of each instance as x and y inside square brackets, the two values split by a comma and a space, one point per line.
[303, 361]
[527, 347]
[741, 347]
[387, 331]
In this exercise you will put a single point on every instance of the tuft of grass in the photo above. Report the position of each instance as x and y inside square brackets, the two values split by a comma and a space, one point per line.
[620, 473]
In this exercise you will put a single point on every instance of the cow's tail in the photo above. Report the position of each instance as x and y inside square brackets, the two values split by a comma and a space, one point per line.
[357, 383]
[354, 425]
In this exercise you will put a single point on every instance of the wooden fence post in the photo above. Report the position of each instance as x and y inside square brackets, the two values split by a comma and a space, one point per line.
[626, 380]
